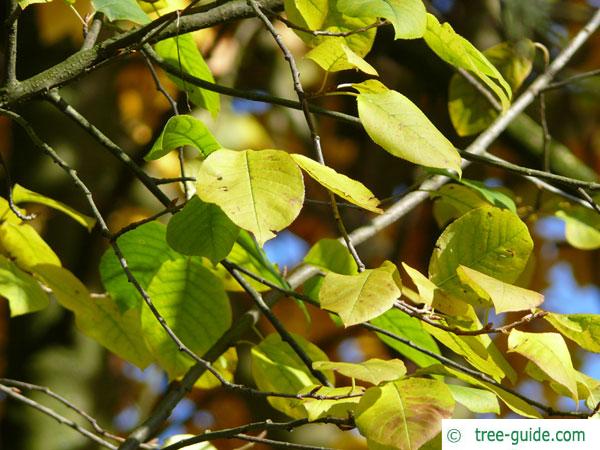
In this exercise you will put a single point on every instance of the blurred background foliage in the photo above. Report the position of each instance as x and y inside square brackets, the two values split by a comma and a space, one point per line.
[121, 99]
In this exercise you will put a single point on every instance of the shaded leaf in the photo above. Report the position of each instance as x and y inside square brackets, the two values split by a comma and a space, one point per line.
[276, 367]
[584, 329]
[374, 371]
[400, 127]
[347, 188]
[331, 255]
[260, 191]
[362, 297]
[407, 16]
[183, 130]
[394, 415]
[549, 352]
[121, 10]
[225, 364]
[493, 196]
[193, 303]
[22, 291]
[202, 229]
[21, 195]
[181, 51]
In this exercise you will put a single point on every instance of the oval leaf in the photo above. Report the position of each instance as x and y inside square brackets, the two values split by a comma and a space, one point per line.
[260, 191]
[347, 188]
[584, 329]
[374, 371]
[121, 10]
[22, 291]
[331, 255]
[362, 297]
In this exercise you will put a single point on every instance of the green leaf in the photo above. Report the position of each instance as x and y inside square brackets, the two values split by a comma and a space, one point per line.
[394, 416]
[202, 229]
[401, 324]
[277, 368]
[492, 241]
[549, 352]
[515, 403]
[334, 55]
[582, 229]
[21, 243]
[504, 296]
[362, 297]
[145, 249]
[260, 191]
[25, 3]
[195, 306]
[493, 196]
[347, 188]
[121, 10]
[408, 17]
[313, 12]
[400, 127]
[475, 400]
[21, 195]
[433, 296]
[331, 255]
[225, 364]
[341, 408]
[460, 53]
[22, 291]
[583, 329]
[98, 318]
[181, 51]
[374, 371]
[183, 130]
[452, 201]
[470, 111]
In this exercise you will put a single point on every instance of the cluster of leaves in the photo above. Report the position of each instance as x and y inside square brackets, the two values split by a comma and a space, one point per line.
[243, 198]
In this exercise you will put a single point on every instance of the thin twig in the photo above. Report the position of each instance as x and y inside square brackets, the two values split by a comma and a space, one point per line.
[9, 187]
[132, 226]
[297, 27]
[316, 139]
[280, 444]
[93, 31]
[13, 393]
[573, 79]
[11, 25]
[588, 198]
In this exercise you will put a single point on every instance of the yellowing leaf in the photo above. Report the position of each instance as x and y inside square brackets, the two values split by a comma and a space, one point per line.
[171, 440]
[260, 191]
[100, 317]
[549, 352]
[490, 240]
[394, 416]
[582, 227]
[334, 55]
[400, 127]
[225, 364]
[505, 297]
[183, 130]
[475, 400]
[313, 12]
[193, 303]
[584, 329]
[347, 188]
[362, 297]
[341, 408]
[22, 244]
[452, 201]
[457, 51]
[374, 371]
[22, 291]
[407, 16]
[331, 255]
[276, 367]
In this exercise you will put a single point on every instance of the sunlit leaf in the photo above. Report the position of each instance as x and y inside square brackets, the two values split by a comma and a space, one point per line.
[21, 243]
[225, 364]
[313, 12]
[475, 400]
[183, 130]
[276, 367]
[99, 317]
[460, 53]
[549, 352]
[193, 303]
[181, 437]
[202, 229]
[584, 329]
[407, 16]
[145, 249]
[22, 291]
[334, 55]
[401, 324]
[260, 191]
[341, 408]
[452, 201]
[492, 241]
[400, 127]
[374, 371]
[362, 297]
[347, 188]
[121, 10]
[505, 297]
[470, 111]
[331, 255]
[493, 196]
[25, 3]
[181, 51]
[582, 227]
[394, 415]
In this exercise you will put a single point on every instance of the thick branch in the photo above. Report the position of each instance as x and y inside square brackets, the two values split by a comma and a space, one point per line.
[10, 25]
